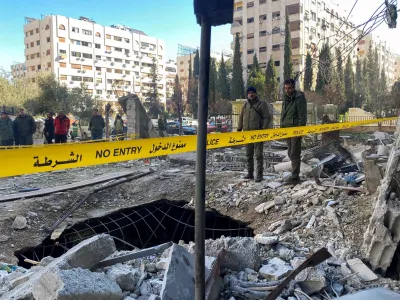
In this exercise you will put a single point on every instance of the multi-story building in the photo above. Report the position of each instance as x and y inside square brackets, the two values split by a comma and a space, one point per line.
[170, 74]
[387, 58]
[261, 28]
[111, 61]
[18, 70]
[397, 70]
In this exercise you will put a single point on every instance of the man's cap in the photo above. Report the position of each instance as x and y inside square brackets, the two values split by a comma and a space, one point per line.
[251, 89]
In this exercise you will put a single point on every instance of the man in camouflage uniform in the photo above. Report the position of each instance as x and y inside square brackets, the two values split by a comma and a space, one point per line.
[255, 115]
[294, 113]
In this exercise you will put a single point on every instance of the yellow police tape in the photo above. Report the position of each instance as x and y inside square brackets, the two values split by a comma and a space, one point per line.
[44, 158]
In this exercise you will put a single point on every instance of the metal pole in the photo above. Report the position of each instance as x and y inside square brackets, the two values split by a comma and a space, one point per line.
[108, 107]
[201, 160]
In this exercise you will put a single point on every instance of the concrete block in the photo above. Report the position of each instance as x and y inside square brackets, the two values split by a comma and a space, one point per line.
[275, 269]
[311, 280]
[179, 277]
[266, 240]
[124, 276]
[77, 284]
[363, 272]
[20, 222]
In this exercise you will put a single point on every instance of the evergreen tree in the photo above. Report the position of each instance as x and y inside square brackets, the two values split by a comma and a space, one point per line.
[359, 85]
[349, 82]
[288, 65]
[324, 69]
[237, 83]
[153, 103]
[308, 73]
[339, 64]
[255, 67]
[271, 82]
[257, 78]
[178, 104]
[212, 87]
[223, 82]
[365, 79]
[196, 65]
[373, 74]
[189, 85]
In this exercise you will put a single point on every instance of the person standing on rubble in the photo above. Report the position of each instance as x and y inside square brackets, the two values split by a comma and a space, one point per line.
[24, 126]
[61, 127]
[96, 125]
[162, 126]
[6, 130]
[48, 130]
[293, 114]
[255, 115]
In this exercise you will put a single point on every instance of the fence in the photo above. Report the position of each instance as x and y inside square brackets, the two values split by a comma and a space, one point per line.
[8, 110]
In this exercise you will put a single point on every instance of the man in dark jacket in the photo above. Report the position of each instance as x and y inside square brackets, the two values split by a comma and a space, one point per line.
[162, 126]
[6, 130]
[255, 115]
[96, 125]
[294, 113]
[61, 128]
[48, 130]
[24, 126]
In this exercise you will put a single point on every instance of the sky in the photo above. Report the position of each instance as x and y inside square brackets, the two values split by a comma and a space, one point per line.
[171, 20]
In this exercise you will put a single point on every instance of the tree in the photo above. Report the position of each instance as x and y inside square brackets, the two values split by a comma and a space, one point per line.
[223, 82]
[177, 102]
[349, 83]
[81, 102]
[359, 85]
[257, 78]
[212, 87]
[189, 86]
[153, 103]
[237, 83]
[395, 96]
[365, 80]
[271, 82]
[324, 69]
[288, 65]
[196, 64]
[339, 64]
[308, 73]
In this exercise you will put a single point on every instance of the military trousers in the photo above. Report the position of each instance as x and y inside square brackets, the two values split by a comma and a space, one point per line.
[294, 153]
[254, 149]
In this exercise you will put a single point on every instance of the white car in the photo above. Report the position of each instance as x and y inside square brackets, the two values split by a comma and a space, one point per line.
[189, 122]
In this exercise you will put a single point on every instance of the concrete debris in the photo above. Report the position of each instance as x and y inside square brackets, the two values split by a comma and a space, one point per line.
[266, 240]
[124, 276]
[362, 271]
[263, 207]
[20, 222]
[275, 269]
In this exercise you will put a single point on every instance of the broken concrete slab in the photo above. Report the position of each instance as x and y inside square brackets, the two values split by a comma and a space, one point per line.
[275, 269]
[124, 276]
[266, 240]
[77, 284]
[265, 206]
[19, 223]
[363, 272]
[179, 277]
[372, 294]
[311, 280]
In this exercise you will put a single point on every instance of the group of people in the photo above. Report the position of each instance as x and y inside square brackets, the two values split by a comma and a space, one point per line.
[256, 115]
[17, 132]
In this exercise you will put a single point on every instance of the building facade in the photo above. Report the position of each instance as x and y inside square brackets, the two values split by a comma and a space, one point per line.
[170, 74]
[387, 58]
[397, 63]
[18, 70]
[261, 28]
[111, 60]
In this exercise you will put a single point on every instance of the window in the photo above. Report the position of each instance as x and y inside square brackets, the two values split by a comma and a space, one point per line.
[250, 4]
[263, 17]
[118, 49]
[276, 14]
[87, 55]
[250, 36]
[86, 32]
[109, 70]
[74, 66]
[77, 42]
[63, 51]
[48, 39]
[37, 30]
[118, 71]
[136, 52]
[276, 47]
[63, 65]
[31, 32]
[27, 46]
[313, 16]
[127, 62]
[87, 79]
[108, 36]
[61, 27]
[48, 52]
[98, 92]
[61, 40]
[108, 58]
[99, 80]
[118, 60]
[127, 72]
[117, 38]
[26, 34]
[136, 63]
[293, 9]
[97, 46]
[49, 64]
[98, 34]
[239, 8]
[76, 54]
[47, 27]
[295, 43]
[27, 57]
[75, 29]
[250, 20]
[263, 33]
[108, 48]
[37, 43]
[39, 67]
[109, 81]
[362, 42]
[262, 2]
[276, 30]
[33, 68]
[250, 51]
[294, 26]
[32, 56]
[38, 54]
[98, 69]
[63, 77]
[76, 78]
[98, 57]
[86, 44]
[263, 49]
[32, 44]
[277, 63]
[127, 51]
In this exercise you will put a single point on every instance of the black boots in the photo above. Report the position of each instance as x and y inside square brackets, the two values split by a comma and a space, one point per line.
[259, 177]
[249, 176]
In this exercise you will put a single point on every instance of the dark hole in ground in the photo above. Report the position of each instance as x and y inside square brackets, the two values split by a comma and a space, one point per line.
[142, 226]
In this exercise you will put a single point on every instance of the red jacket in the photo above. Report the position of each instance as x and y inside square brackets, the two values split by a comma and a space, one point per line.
[61, 125]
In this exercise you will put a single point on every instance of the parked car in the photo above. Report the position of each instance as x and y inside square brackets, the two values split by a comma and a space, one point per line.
[212, 127]
[173, 128]
[189, 122]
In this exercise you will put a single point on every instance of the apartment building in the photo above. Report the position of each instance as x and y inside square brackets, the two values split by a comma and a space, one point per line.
[18, 70]
[387, 57]
[111, 60]
[261, 28]
[397, 70]
[170, 74]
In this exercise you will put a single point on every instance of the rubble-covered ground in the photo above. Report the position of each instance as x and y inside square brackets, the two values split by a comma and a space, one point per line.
[290, 223]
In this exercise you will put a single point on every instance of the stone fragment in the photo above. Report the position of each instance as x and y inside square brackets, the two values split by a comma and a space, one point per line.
[274, 185]
[338, 288]
[4, 238]
[77, 284]
[241, 252]
[266, 240]
[275, 269]
[311, 280]
[300, 193]
[151, 267]
[14, 283]
[179, 277]
[124, 276]
[20, 222]
[363, 272]
[279, 200]
[285, 226]
[162, 264]
[46, 261]
[260, 208]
